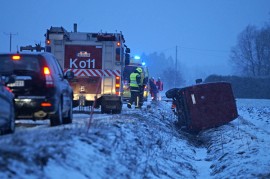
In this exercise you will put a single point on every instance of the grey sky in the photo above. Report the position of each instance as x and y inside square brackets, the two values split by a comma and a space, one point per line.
[203, 30]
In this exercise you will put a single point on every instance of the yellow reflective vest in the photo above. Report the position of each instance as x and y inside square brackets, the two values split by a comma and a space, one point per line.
[133, 80]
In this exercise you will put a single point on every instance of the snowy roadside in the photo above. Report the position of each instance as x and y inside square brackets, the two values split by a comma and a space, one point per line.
[241, 148]
[139, 144]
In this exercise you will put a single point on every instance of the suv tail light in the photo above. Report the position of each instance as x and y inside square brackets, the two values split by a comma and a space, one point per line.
[46, 104]
[8, 89]
[48, 77]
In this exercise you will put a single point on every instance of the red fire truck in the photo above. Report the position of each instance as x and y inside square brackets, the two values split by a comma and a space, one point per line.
[97, 60]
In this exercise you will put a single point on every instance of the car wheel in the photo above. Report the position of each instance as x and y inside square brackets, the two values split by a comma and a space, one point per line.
[57, 118]
[11, 128]
[69, 118]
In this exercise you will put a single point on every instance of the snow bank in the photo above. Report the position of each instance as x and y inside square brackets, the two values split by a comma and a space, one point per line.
[139, 144]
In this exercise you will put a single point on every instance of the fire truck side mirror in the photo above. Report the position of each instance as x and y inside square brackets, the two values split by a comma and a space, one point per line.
[127, 59]
[127, 50]
[117, 50]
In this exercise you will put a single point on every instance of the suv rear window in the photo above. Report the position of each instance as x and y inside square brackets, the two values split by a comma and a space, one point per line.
[30, 63]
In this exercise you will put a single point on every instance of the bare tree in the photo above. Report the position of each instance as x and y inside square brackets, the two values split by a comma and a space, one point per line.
[164, 67]
[169, 75]
[242, 54]
[263, 52]
[251, 55]
[157, 62]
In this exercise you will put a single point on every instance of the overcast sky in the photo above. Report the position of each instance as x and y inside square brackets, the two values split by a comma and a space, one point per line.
[203, 30]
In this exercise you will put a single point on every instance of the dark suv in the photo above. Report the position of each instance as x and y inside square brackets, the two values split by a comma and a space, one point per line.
[41, 88]
[7, 121]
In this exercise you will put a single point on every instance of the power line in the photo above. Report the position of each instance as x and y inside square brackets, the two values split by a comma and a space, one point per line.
[205, 50]
[175, 67]
[195, 49]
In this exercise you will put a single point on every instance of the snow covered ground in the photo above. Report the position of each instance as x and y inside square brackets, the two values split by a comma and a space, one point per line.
[140, 144]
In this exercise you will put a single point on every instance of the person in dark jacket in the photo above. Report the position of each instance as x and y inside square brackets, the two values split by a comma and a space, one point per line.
[159, 85]
[134, 83]
[153, 89]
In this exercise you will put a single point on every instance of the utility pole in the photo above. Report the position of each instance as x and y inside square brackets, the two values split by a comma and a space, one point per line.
[175, 77]
[10, 39]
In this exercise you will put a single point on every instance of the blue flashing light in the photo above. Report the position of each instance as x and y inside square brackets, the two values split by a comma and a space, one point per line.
[136, 57]
[143, 63]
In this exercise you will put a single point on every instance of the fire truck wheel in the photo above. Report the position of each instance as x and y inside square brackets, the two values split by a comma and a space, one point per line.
[11, 128]
[103, 109]
[117, 111]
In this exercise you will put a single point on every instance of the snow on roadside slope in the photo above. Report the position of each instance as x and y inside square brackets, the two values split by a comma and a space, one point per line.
[135, 144]
[138, 144]
[241, 148]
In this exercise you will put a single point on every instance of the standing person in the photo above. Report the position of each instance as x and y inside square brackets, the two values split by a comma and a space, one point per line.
[134, 82]
[141, 85]
[145, 83]
[159, 84]
[153, 89]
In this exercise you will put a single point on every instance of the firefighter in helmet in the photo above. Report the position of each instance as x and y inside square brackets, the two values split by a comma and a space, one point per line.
[135, 82]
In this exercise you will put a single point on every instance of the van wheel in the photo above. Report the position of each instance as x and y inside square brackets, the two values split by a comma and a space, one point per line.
[172, 92]
[57, 118]
[69, 118]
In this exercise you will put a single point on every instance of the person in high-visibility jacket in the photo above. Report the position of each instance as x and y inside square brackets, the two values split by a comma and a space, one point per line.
[135, 81]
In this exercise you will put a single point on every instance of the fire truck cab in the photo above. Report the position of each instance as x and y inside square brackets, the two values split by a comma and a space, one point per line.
[97, 60]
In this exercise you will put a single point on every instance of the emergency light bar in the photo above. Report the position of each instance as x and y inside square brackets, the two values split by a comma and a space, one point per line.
[136, 57]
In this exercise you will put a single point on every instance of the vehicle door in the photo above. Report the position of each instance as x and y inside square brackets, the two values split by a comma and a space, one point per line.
[62, 85]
